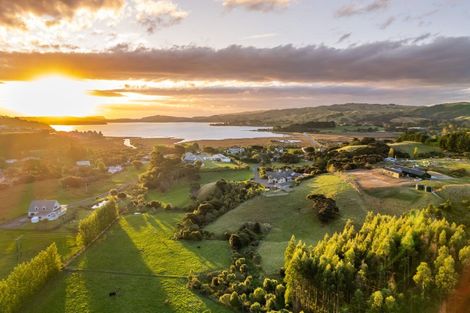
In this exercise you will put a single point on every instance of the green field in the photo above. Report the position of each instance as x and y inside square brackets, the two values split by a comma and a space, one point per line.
[214, 165]
[409, 146]
[126, 260]
[293, 214]
[178, 195]
[15, 200]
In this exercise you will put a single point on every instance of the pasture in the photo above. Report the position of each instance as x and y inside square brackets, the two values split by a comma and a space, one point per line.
[138, 260]
[15, 200]
[409, 146]
[179, 194]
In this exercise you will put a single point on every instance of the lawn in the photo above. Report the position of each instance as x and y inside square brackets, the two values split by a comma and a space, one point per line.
[221, 166]
[178, 195]
[409, 146]
[292, 214]
[126, 260]
[16, 199]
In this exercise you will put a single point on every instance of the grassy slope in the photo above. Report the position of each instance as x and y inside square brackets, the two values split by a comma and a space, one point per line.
[408, 147]
[179, 194]
[15, 200]
[138, 244]
[292, 214]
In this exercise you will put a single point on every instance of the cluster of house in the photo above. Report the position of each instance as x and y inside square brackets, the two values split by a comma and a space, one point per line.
[401, 171]
[50, 210]
[282, 178]
[190, 157]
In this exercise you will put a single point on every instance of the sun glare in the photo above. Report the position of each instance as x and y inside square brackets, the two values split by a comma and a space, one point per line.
[51, 95]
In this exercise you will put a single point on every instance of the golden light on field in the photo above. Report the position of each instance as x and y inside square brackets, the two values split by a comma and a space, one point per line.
[51, 95]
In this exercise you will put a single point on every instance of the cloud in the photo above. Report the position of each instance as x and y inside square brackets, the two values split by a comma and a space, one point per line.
[355, 9]
[262, 36]
[258, 5]
[387, 61]
[344, 37]
[15, 14]
[387, 22]
[154, 15]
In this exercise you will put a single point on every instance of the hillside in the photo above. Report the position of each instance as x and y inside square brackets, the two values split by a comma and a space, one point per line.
[348, 113]
[10, 124]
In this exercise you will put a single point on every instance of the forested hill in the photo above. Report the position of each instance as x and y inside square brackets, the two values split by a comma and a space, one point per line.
[349, 113]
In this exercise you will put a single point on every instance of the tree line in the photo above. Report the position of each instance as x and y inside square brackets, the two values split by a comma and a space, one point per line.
[27, 278]
[91, 226]
[391, 264]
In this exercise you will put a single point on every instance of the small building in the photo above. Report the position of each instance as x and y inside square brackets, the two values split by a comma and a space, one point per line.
[115, 169]
[401, 171]
[46, 210]
[190, 157]
[281, 177]
[11, 161]
[220, 158]
[235, 150]
[83, 163]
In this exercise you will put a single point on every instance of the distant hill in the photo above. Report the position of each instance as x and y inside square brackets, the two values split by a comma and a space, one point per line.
[459, 110]
[67, 120]
[13, 124]
[154, 119]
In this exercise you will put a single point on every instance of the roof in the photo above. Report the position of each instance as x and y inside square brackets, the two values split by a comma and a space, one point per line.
[48, 204]
[83, 163]
[406, 170]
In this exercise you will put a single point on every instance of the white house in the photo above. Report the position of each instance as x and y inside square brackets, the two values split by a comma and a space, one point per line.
[115, 169]
[11, 161]
[220, 158]
[281, 177]
[46, 210]
[83, 163]
[190, 157]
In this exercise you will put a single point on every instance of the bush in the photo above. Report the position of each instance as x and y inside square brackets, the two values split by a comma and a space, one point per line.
[27, 278]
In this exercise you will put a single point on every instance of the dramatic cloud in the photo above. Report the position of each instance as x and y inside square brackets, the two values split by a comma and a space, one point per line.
[154, 15]
[443, 61]
[15, 13]
[258, 5]
[355, 9]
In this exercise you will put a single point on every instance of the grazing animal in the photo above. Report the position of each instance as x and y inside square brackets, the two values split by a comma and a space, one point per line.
[199, 247]
[113, 294]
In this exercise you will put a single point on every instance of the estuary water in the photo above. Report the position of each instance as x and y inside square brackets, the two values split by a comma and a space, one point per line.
[184, 131]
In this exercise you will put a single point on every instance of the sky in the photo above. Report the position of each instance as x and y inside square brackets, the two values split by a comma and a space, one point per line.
[134, 58]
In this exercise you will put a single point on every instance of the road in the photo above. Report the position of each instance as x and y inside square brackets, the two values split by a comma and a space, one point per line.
[312, 140]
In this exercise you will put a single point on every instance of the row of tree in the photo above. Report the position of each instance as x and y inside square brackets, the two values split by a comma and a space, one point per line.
[27, 278]
[456, 142]
[391, 264]
[92, 225]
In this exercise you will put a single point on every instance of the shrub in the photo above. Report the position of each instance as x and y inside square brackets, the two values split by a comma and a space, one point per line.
[72, 182]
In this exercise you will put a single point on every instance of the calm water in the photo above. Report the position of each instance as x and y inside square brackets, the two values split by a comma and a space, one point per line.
[184, 131]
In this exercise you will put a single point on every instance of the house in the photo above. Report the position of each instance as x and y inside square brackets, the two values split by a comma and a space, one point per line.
[46, 210]
[190, 157]
[115, 169]
[83, 163]
[235, 150]
[220, 158]
[11, 161]
[401, 171]
[281, 177]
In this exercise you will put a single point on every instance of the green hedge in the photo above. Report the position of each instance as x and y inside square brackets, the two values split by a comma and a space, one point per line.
[27, 278]
[91, 226]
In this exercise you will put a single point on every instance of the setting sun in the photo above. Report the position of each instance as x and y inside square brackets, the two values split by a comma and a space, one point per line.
[51, 95]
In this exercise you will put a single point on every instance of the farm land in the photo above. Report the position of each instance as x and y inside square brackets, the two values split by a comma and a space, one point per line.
[140, 261]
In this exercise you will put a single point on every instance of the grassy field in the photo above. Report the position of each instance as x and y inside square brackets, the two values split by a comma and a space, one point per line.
[179, 194]
[14, 201]
[293, 214]
[409, 146]
[214, 165]
[126, 260]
